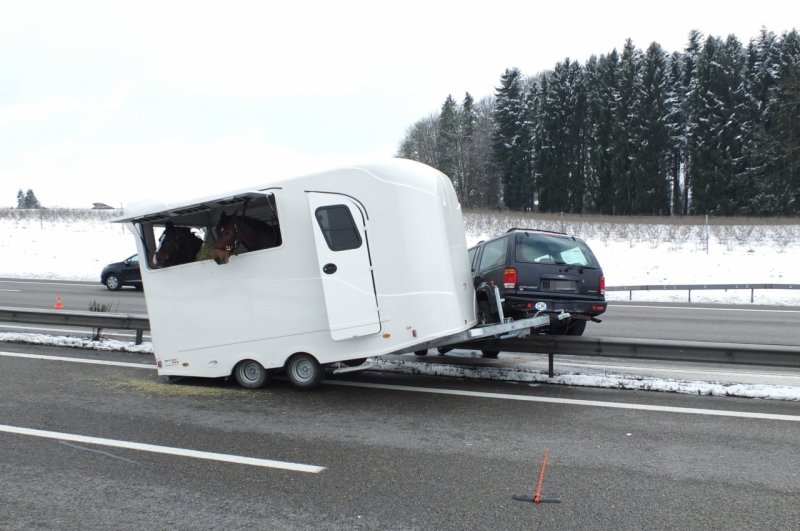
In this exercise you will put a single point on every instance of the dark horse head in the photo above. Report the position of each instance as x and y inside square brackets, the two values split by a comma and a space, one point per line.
[234, 231]
[178, 245]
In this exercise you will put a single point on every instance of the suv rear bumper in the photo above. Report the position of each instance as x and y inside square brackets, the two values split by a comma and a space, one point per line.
[527, 305]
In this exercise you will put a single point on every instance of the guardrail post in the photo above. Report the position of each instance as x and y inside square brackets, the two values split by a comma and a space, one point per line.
[690, 295]
[550, 365]
[751, 295]
[139, 334]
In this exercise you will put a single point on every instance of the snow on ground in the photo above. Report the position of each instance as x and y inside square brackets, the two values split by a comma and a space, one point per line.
[78, 250]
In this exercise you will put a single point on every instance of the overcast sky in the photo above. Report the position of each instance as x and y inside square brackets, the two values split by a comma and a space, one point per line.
[115, 102]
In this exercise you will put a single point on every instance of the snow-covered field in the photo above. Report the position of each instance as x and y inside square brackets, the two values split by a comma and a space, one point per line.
[77, 248]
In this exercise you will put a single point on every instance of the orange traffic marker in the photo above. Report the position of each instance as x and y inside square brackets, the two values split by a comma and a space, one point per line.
[537, 496]
[58, 305]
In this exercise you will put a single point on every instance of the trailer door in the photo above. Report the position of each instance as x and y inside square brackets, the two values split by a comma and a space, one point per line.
[340, 237]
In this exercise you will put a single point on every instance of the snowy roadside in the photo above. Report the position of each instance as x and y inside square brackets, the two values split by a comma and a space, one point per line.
[518, 373]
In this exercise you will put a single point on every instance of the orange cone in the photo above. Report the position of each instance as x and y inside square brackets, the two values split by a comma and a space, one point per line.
[58, 303]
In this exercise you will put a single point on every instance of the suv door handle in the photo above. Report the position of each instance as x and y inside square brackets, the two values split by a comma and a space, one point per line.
[329, 269]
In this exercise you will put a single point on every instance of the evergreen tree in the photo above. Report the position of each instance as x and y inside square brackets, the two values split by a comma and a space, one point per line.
[651, 140]
[559, 153]
[27, 200]
[511, 141]
[623, 140]
[691, 106]
[447, 141]
[783, 114]
[717, 152]
[602, 87]
[466, 148]
[763, 55]
[675, 126]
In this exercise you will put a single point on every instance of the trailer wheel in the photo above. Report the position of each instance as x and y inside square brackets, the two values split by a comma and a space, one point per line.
[421, 352]
[491, 354]
[304, 371]
[250, 374]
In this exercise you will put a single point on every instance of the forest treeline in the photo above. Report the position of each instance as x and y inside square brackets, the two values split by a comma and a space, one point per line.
[713, 129]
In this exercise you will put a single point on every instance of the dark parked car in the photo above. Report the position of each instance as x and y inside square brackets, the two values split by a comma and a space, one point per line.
[125, 273]
[539, 271]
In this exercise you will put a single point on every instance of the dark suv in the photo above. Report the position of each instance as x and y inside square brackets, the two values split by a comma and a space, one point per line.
[539, 271]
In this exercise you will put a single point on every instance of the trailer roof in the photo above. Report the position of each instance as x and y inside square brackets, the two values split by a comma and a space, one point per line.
[196, 210]
[200, 208]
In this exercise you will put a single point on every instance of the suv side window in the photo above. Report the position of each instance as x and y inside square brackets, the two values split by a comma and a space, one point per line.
[494, 254]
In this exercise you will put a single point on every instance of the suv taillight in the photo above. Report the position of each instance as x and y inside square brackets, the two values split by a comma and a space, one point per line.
[510, 278]
[602, 285]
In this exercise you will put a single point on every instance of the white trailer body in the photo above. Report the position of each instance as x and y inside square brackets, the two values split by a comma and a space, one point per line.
[407, 282]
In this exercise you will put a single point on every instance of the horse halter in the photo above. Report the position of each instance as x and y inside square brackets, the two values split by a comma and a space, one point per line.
[233, 247]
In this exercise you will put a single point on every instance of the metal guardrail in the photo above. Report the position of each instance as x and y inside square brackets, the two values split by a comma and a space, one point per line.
[690, 287]
[653, 349]
[114, 321]
[647, 349]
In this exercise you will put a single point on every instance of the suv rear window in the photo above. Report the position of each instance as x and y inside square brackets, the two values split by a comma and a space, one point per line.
[546, 249]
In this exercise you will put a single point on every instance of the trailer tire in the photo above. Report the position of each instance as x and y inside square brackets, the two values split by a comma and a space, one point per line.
[421, 352]
[250, 374]
[304, 371]
[491, 354]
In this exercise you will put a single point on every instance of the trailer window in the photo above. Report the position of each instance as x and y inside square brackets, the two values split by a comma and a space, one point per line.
[338, 227]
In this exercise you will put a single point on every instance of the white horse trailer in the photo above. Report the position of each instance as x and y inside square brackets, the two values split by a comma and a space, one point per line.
[371, 260]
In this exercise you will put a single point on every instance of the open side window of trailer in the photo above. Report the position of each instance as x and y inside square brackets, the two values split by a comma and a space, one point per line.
[236, 225]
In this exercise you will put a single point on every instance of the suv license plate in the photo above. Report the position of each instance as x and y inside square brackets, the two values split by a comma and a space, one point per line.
[562, 285]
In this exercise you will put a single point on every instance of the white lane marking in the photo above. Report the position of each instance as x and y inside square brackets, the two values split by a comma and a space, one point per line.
[142, 365]
[478, 394]
[574, 402]
[707, 308]
[11, 290]
[153, 448]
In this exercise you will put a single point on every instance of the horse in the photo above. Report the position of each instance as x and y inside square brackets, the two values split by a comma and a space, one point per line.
[178, 245]
[234, 231]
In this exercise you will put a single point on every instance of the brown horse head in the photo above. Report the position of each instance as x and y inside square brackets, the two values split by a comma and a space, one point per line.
[227, 243]
[177, 245]
[235, 231]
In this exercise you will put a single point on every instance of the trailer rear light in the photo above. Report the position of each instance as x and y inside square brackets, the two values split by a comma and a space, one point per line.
[598, 308]
[510, 278]
[602, 285]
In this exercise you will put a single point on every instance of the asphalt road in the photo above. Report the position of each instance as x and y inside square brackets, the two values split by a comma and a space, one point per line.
[397, 452]
[693, 322]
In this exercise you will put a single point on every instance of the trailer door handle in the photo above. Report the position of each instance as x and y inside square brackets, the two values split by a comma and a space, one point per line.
[329, 269]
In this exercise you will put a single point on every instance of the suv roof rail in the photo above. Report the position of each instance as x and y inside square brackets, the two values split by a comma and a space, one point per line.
[535, 230]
